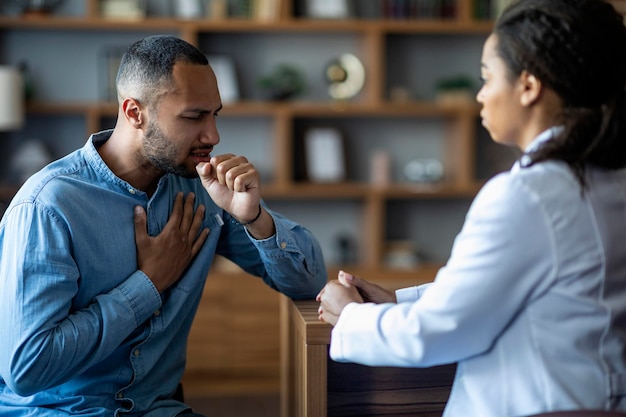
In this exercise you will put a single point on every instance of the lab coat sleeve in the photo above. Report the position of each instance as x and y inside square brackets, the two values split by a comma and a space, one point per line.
[503, 255]
[405, 295]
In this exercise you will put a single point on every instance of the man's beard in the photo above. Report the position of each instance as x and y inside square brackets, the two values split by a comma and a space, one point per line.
[162, 152]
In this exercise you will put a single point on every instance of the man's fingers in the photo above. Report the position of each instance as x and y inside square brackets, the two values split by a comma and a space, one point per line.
[177, 211]
[188, 214]
[141, 230]
[205, 171]
[194, 228]
[197, 244]
[233, 171]
[185, 221]
[164, 257]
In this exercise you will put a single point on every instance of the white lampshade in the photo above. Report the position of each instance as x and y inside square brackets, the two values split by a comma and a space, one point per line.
[11, 98]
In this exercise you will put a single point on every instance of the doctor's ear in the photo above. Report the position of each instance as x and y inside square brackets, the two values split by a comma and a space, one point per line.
[530, 87]
[132, 111]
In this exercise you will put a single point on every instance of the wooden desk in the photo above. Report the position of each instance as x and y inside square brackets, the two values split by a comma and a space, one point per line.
[314, 386]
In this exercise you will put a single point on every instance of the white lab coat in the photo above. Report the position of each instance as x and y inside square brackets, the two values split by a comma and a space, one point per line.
[531, 304]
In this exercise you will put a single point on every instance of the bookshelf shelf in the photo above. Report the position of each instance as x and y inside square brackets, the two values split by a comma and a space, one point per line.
[372, 119]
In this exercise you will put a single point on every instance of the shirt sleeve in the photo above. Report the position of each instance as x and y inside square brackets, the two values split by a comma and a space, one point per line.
[50, 340]
[293, 259]
[290, 261]
[503, 254]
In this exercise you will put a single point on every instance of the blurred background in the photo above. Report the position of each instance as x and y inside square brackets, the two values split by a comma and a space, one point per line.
[359, 114]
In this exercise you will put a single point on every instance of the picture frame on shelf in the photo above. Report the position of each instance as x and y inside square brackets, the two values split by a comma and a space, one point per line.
[329, 9]
[325, 155]
[188, 9]
[226, 74]
[217, 9]
[111, 57]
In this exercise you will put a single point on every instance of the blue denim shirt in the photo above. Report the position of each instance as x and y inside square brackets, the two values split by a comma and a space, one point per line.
[84, 331]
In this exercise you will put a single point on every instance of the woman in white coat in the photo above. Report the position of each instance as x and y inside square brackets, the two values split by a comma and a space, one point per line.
[532, 302]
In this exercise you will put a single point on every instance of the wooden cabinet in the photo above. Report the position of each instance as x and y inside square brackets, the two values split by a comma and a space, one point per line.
[355, 220]
[313, 385]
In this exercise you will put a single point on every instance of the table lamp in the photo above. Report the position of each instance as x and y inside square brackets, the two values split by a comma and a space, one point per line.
[11, 98]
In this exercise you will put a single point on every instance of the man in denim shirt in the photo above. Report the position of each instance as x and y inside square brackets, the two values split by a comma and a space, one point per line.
[105, 252]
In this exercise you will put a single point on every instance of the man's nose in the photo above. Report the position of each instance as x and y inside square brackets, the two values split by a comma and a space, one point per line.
[210, 134]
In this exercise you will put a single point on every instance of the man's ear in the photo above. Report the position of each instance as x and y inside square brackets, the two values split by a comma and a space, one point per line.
[132, 111]
[530, 88]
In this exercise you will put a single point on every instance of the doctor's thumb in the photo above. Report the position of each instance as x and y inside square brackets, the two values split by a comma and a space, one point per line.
[346, 278]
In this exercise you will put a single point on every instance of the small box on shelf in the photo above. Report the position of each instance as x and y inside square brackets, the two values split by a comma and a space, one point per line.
[123, 9]
[401, 254]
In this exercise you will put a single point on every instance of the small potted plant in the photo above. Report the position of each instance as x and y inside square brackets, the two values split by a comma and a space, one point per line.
[456, 89]
[283, 83]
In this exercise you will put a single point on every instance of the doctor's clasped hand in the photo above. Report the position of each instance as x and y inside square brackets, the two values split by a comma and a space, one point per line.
[337, 294]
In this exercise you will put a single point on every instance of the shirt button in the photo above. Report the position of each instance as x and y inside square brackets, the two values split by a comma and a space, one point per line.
[131, 190]
[120, 395]
[137, 352]
[283, 245]
[157, 313]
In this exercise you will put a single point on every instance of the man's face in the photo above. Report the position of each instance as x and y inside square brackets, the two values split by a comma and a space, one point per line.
[164, 152]
[182, 130]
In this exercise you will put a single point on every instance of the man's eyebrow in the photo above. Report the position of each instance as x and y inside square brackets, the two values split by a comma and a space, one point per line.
[201, 110]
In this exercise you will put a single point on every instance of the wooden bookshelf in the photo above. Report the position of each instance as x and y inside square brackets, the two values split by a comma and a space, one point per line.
[219, 345]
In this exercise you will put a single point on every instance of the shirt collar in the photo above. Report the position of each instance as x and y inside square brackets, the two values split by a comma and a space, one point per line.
[536, 143]
[543, 137]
